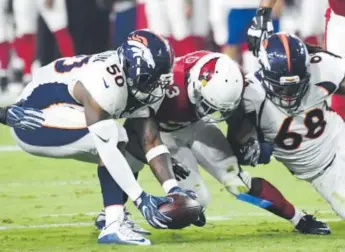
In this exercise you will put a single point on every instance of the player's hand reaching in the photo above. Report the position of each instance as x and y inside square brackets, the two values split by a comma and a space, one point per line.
[261, 27]
[24, 118]
[179, 190]
[180, 171]
[149, 208]
[250, 152]
[253, 153]
[201, 221]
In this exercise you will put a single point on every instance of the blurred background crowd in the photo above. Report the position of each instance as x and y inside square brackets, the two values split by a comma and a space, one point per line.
[36, 32]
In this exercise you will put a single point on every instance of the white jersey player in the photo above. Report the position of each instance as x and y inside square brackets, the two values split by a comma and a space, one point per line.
[81, 96]
[287, 99]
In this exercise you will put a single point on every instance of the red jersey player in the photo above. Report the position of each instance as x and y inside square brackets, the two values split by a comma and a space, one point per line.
[207, 88]
[334, 38]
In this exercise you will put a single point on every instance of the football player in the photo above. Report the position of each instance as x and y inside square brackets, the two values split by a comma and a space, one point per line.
[334, 37]
[81, 96]
[207, 88]
[286, 100]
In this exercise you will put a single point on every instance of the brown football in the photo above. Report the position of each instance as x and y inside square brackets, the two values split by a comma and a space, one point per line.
[183, 211]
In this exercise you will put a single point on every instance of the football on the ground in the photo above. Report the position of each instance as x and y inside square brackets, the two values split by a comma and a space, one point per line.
[183, 211]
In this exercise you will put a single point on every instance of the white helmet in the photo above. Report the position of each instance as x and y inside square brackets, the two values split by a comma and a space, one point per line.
[215, 84]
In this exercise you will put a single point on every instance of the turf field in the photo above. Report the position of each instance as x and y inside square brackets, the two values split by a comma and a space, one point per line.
[49, 205]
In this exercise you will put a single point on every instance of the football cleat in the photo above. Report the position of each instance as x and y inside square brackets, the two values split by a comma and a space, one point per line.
[132, 225]
[310, 225]
[100, 223]
[100, 220]
[119, 233]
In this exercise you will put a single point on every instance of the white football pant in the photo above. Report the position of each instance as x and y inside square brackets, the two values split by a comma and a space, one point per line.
[335, 34]
[69, 118]
[168, 18]
[331, 184]
[26, 13]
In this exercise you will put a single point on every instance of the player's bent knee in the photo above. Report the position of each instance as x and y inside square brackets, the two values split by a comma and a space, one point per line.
[238, 184]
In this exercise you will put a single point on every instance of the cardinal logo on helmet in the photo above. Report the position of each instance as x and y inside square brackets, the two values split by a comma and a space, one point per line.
[207, 71]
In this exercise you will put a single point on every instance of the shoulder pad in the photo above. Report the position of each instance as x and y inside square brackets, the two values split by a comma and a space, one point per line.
[106, 83]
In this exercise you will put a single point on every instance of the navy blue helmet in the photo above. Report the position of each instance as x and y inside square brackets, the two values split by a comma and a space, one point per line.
[284, 71]
[147, 61]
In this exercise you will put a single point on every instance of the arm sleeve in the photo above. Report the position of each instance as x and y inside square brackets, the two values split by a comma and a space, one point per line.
[105, 136]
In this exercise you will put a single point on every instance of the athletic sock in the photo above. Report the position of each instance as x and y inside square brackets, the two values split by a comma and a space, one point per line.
[113, 213]
[64, 42]
[112, 193]
[25, 48]
[297, 217]
[4, 55]
[262, 189]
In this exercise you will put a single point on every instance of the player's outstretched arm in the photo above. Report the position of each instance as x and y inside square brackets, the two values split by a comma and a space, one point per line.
[157, 154]
[105, 134]
[261, 26]
[104, 131]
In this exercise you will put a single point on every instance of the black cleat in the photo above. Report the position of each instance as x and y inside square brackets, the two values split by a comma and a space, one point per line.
[310, 225]
[201, 221]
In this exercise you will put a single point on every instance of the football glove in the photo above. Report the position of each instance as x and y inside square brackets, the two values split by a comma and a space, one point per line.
[24, 118]
[148, 206]
[179, 190]
[260, 28]
[180, 171]
[253, 153]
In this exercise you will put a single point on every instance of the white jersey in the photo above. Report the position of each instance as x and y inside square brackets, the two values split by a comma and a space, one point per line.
[306, 141]
[101, 74]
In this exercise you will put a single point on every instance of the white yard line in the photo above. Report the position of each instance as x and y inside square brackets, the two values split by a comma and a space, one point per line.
[78, 224]
[53, 183]
[90, 223]
[229, 215]
[9, 148]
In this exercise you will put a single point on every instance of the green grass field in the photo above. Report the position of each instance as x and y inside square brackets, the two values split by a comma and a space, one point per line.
[49, 205]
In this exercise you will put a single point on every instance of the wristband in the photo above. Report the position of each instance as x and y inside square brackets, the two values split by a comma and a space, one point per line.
[169, 184]
[156, 151]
